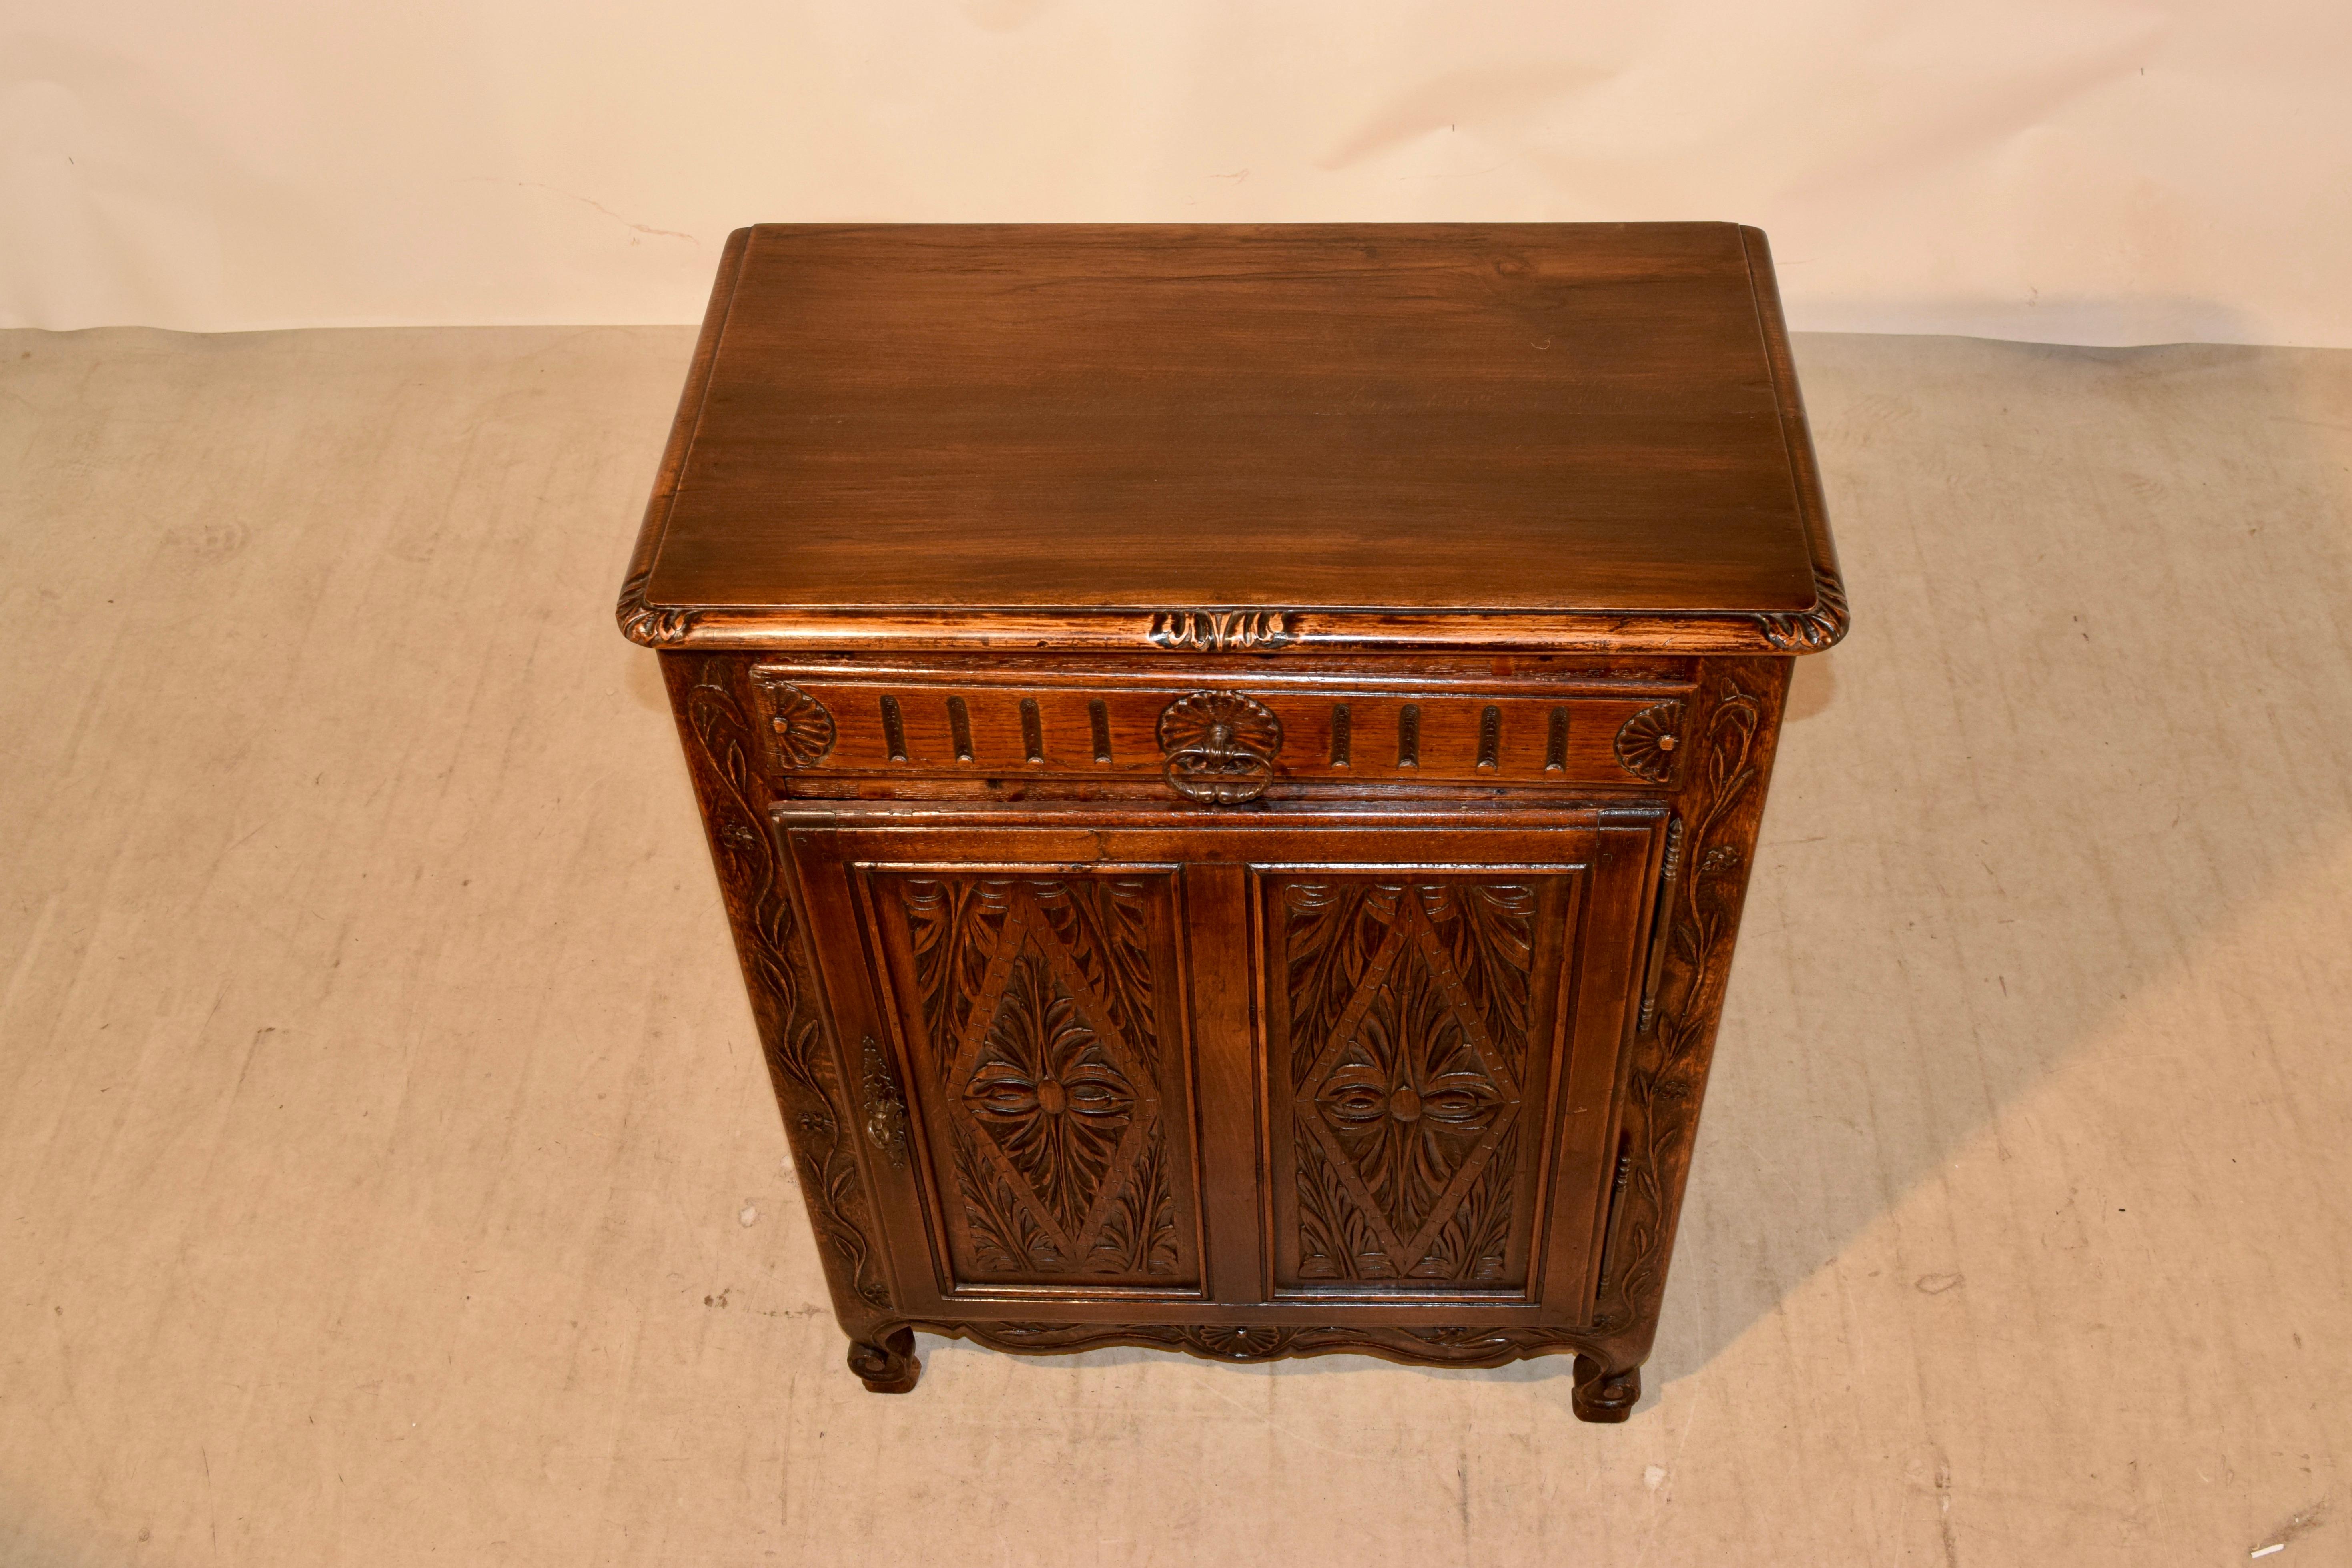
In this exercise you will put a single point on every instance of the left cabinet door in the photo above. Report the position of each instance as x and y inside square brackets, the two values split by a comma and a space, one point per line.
[1026, 1067]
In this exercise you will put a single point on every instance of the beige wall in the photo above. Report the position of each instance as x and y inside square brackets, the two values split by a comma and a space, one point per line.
[2087, 171]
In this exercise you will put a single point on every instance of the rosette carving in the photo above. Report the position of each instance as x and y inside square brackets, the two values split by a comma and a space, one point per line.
[1646, 741]
[800, 730]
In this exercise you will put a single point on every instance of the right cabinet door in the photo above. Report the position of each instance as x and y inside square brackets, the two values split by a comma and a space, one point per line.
[1438, 1050]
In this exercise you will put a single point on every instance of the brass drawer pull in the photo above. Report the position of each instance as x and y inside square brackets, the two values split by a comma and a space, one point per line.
[1221, 747]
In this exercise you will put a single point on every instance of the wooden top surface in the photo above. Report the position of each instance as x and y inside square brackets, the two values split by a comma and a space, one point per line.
[1526, 436]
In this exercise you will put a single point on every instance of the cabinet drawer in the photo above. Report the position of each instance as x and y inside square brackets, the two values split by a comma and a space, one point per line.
[1238, 738]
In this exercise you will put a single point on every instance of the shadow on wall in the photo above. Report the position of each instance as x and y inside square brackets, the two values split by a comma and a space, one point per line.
[2092, 713]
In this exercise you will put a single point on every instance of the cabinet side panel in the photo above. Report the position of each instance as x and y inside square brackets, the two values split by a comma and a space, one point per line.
[1721, 804]
[813, 1090]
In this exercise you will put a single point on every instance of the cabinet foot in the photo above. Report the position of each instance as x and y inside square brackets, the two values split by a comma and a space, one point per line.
[1604, 1395]
[888, 1367]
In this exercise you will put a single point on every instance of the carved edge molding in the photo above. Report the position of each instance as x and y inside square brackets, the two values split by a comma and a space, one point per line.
[819, 1117]
[1220, 631]
[1461, 1347]
[654, 626]
[1814, 629]
[1603, 1391]
[1247, 631]
[1670, 1065]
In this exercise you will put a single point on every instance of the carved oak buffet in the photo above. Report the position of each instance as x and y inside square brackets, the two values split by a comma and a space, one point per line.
[1233, 756]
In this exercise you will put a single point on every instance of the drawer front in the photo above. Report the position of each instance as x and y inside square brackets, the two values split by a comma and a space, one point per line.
[1218, 744]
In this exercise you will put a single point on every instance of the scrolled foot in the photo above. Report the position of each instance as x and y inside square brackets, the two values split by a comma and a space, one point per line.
[889, 1367]
[1604, 1395]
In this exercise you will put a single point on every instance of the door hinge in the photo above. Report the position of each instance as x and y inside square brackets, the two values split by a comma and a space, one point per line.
[886, 1111]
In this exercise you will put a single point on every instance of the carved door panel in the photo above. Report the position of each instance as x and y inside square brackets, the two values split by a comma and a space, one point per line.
[1047, 1071]
[1225, 1060]
[1440, 1026]
[1024, 1023]
[1413, 1036]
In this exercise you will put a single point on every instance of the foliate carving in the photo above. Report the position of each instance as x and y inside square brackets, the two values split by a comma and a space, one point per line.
[1408, 1036]
[1646, 741]
[1036, 998]
[1055, 1098]
[1263, 1343]
[1219, 746]
[655, 626]
[885, 1111]
[800, 728]
[800, 1057]
[1220, 631]
[1603, 1390]
[1669, 1068]
[1811, 630]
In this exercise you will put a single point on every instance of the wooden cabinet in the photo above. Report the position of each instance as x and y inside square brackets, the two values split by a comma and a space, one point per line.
[1333, 969]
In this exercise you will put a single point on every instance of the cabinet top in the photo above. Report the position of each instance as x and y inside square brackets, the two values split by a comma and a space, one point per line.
[1540, 438]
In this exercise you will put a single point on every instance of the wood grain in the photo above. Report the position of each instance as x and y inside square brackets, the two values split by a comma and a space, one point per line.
[1238, 438]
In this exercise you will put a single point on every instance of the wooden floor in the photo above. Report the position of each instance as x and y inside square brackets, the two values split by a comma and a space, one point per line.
[387, 1173]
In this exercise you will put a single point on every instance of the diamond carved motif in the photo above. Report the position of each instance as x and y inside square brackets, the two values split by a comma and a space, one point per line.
[1062, 1105]
[1410, 1097]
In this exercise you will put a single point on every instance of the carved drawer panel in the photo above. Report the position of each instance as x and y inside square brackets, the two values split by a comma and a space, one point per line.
[1221, 743]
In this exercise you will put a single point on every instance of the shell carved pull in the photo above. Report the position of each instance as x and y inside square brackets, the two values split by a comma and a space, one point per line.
[886, 1111]
[1220, 747]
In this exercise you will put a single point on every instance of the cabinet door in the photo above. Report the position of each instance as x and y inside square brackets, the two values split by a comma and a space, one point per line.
[1047, 1068]
[1020, 1013]
[1413, 1029]
[1342, 1062]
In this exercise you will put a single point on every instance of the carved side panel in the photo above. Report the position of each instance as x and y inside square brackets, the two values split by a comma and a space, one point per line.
[724, 752]
[1738, 719]
[1054, 1082]
[1409, 1060]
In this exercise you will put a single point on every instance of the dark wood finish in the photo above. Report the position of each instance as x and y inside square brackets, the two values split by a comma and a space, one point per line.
[1233, 784]
[1402, 436]
[832, 728]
